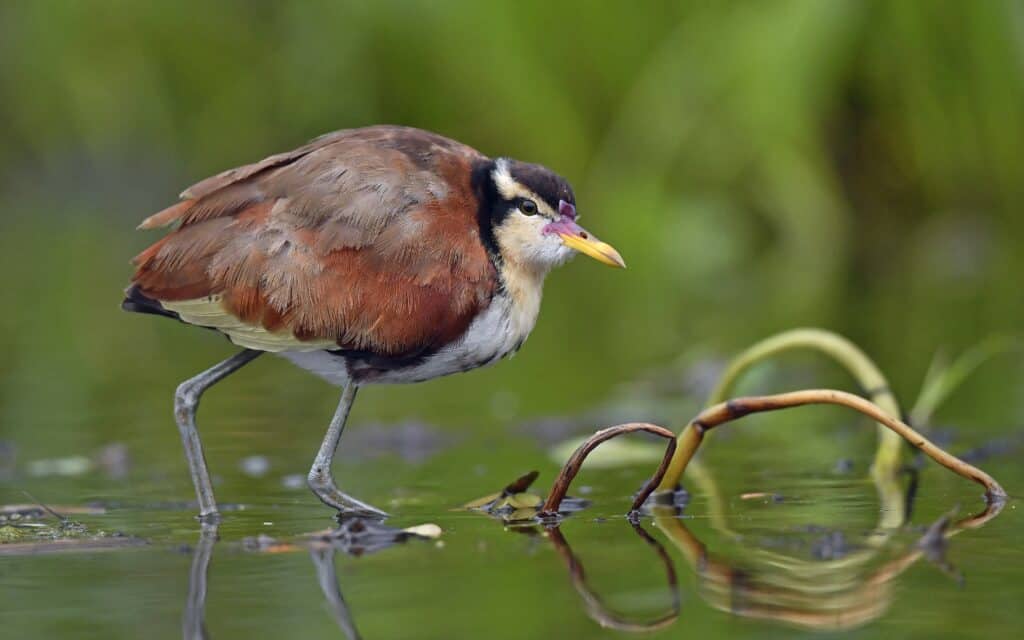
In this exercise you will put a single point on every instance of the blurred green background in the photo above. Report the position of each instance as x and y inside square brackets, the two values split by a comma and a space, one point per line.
[854, 165]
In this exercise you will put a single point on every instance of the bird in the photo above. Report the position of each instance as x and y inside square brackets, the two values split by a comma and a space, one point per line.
[375, 255]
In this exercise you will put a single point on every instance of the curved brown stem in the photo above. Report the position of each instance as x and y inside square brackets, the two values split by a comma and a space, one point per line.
[575, 461]
[734, 409]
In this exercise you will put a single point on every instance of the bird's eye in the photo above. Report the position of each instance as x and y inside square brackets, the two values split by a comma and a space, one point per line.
[528, 207]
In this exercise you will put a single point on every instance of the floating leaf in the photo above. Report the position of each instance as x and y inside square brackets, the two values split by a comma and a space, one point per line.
[482, 503]
[496, 501]
[528, 514]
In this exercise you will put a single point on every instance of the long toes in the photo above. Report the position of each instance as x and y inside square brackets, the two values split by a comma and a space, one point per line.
[349, 513]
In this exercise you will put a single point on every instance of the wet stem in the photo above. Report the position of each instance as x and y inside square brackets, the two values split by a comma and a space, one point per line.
[719, 414]
[680, 451]
[575, 462]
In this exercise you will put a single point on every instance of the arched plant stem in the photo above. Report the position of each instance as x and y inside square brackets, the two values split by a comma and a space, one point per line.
[724, 412]
[847, 354]
[575, 462]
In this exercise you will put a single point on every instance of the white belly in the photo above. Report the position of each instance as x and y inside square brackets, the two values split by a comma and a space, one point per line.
[499, 331]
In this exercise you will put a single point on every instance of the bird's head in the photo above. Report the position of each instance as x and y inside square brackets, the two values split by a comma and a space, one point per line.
[528, 216]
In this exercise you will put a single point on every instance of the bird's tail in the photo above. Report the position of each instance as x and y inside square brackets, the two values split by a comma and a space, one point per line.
[138, 302]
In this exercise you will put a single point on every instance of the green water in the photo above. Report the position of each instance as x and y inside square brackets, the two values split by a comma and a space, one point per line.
[821, 552]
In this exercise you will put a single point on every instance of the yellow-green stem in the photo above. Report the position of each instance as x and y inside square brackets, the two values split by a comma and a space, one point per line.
[847, 354]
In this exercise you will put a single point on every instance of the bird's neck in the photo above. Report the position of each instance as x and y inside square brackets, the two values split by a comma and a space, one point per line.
[524, 284]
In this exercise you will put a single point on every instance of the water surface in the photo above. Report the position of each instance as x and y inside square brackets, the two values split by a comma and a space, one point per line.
[820, 550]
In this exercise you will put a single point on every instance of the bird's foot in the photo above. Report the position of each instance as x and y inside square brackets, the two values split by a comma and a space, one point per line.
[347, 506]
[348, 513]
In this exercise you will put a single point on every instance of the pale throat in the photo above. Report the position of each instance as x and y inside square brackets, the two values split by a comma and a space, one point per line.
[524, 283]
[526, 259]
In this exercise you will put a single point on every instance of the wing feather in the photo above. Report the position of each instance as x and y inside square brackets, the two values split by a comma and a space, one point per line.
[364, 239]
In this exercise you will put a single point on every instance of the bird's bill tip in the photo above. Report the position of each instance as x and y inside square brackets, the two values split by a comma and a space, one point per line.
[587, 244]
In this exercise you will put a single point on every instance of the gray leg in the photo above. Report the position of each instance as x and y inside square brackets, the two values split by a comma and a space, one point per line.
[320, 479]
[186, 401]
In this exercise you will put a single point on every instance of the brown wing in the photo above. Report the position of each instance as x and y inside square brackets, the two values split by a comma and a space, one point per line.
[363, 239]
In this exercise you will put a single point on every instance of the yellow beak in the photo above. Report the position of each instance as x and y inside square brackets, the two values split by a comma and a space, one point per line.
[585, 243]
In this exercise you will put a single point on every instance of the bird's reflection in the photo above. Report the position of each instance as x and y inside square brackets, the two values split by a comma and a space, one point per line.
[353, 536]
[327, 577]
[194, 620]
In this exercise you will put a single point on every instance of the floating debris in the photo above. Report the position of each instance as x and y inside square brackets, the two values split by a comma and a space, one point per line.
[16, 512]
[354, 536]
[30, 529]
[362, 536]
[514, 505]
[426, 530]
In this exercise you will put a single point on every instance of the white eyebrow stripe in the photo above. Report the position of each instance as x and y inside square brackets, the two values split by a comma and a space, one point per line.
[510, 189]
[503, 180]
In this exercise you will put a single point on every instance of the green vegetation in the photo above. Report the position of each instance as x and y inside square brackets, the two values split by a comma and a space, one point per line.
[853, 165]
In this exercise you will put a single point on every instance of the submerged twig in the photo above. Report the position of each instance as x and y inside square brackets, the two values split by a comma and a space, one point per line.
[575, 461]
[692, 436]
